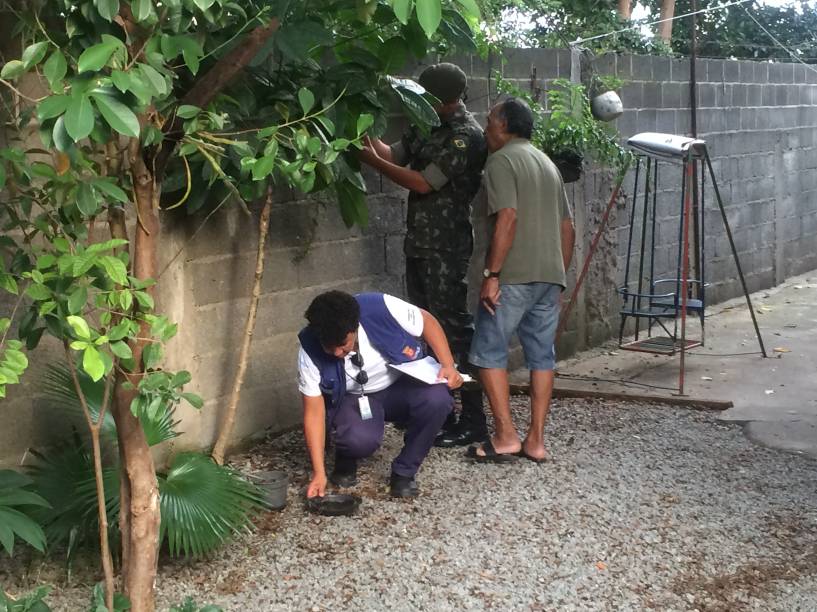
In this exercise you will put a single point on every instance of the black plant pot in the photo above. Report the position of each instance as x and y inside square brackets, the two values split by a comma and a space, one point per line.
[569, 165]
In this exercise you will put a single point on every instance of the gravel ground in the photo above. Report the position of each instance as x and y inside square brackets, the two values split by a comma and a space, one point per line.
[643, 507]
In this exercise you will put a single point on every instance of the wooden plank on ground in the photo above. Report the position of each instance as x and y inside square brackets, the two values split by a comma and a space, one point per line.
[695, 403]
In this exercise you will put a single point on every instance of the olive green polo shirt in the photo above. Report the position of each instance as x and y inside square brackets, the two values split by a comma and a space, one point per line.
[520, 176]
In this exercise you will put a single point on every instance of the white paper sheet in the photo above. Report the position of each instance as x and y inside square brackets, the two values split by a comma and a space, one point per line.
[426, 370]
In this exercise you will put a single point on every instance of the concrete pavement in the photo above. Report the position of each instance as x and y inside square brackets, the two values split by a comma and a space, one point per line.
[774, 398]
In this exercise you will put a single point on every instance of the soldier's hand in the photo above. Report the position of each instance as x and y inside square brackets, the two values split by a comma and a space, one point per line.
[367, 154]
[489, 294]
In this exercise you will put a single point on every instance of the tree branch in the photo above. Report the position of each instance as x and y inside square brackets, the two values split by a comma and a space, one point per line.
[211, 84]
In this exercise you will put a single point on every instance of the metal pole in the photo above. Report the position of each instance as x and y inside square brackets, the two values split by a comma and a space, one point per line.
[693, 124]
[685, 270]
[593, 246]
[734, 253]
[650, 164]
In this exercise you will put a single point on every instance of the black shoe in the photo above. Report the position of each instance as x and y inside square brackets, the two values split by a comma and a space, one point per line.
[345, 473]
[461, 437]
[403, 486]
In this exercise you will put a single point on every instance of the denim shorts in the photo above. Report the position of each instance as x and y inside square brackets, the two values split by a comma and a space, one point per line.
[532, 311]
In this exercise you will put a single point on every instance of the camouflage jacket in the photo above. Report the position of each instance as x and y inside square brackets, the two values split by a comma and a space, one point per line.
[451, 160]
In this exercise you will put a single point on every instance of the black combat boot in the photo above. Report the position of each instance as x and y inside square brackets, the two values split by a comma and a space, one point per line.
[471, 426]
[403, 486]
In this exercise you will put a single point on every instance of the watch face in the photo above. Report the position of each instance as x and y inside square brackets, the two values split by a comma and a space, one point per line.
[486, 273]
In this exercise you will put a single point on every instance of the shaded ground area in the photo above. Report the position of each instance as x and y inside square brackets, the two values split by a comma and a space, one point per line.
[643, 507]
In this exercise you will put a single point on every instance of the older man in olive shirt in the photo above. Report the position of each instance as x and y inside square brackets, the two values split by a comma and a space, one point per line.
[531, 246]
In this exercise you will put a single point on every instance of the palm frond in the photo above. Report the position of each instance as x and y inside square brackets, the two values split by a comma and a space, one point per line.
[204, 504]
[58, 386]
[16, 500]
[65, 478]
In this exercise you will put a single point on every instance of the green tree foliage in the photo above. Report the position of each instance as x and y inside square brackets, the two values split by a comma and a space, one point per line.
[556, 23]
[732, 33]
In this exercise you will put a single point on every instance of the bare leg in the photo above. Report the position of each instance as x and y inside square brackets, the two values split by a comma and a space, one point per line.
[541, 389]
[495, 383]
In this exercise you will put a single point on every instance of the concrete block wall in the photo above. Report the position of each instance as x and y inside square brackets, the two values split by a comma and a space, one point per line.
[759, 122]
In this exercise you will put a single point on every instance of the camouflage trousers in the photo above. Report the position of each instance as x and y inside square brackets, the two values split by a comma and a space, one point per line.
[439, 284]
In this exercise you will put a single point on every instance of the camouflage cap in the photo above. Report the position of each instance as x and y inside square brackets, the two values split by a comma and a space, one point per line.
[444, 81]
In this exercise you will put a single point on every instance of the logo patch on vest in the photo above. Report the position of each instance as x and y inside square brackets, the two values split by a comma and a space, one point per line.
[460, 143]
[409, 352]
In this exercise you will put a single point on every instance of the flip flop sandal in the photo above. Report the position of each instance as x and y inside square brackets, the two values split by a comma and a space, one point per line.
[525, 455]
[490, 456]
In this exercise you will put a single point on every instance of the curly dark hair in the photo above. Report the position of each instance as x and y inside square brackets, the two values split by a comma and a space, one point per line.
[332, 316]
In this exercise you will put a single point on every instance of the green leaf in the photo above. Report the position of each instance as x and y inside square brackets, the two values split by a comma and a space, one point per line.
[38, 292]
[142, 9]
[263, 167]
[46, 261]
[76, 301]
[188, 111]
[52, 106]
[12, 69]
[298, 39]
[79, 117]
[203, 4]
[115, 269]
[306, 98]
[155, 78]
[144, 299]
[119, 117]
[54, 70]
[402, 10]
[92, 363]
[60, 136]
[152, 354]
[79, 326]
[421, 113]
[126, 300]
[61, 244]
[107, 9]
[364, 122]
[16, 523]
[8, 283]
[352, 202]
[87, 201]
[470, 7]
[95, 57]
[34, 54]
[191, 52]
[194, 400]
[119, 331]
[429, 14]
[327, 124]
[121, 350]
[107, 187]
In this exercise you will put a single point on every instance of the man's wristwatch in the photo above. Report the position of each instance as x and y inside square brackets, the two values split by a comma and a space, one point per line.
[486, 273]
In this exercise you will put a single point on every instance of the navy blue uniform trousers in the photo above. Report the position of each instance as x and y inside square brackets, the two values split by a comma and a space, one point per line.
[422, 407]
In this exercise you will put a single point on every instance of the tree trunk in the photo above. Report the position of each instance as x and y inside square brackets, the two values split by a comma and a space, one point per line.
[667, 13]
[624, 9]
[140, 491]
[228, 420]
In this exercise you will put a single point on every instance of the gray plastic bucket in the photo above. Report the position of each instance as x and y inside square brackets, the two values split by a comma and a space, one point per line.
[274, 484]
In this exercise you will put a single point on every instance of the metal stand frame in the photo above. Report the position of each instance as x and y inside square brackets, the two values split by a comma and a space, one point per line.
[673, 305]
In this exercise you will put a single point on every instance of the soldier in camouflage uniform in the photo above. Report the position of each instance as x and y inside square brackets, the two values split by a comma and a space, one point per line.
[442, 172]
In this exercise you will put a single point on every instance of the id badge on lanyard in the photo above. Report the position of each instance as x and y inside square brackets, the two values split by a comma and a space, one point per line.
[365, 409]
